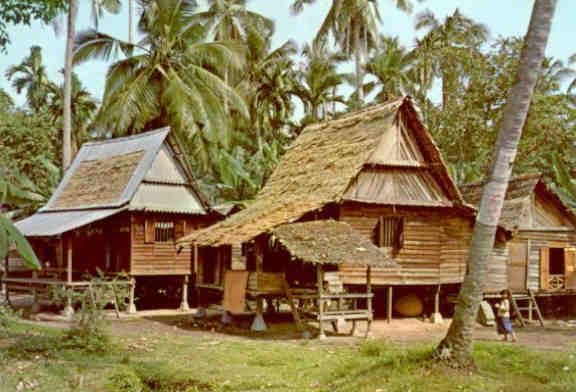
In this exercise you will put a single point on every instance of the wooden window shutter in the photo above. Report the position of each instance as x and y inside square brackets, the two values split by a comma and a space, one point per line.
[570, 268]
[149, 231]
[180, 228]
[544, 267]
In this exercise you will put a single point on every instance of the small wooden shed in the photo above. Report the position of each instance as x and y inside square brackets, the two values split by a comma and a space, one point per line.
[378, 170]
[542, 250]
[119, 207]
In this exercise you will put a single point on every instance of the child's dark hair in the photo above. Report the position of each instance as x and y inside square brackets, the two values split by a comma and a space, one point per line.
[507, 293]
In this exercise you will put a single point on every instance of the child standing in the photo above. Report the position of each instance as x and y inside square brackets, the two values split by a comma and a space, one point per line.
[503, 313]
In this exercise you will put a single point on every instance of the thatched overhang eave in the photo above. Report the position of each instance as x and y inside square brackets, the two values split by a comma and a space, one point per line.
[329, 242]
[407, 203]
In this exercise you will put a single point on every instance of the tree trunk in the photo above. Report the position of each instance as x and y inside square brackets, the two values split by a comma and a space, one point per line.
[131, 21]
[456, 348]
[359, 70]
[67, 132]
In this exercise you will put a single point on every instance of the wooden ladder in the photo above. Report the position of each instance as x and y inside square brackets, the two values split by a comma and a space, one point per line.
[531, 306]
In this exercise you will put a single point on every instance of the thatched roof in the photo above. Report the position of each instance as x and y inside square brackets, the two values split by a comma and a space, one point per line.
[145, 172]
[97, 182]
[107, 174]
[319, 167]
[518, 196]
[329, 242]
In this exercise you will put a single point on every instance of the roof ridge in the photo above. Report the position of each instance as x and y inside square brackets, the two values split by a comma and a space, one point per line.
[520, 177]
[126, 138]
[358, 115]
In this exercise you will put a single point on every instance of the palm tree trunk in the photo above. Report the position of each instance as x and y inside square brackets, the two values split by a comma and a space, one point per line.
[130, 21]
[67, 132]
[456, 348]
[359, 70]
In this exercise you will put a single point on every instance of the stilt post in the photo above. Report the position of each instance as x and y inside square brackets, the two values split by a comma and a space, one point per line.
[259, 325]
[68, 308]
[35, 304]
[184, 306]
[131, 298]
[437, 316]
[369, 302]
[389, 302]
[320, 283]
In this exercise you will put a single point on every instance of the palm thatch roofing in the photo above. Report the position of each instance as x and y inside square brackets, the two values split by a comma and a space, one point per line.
[518, 195]
[107, 174]
[329, 242]
[111, 176]
[319, 167]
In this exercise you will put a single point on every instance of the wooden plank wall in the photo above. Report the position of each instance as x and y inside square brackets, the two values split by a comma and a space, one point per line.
[434, 249]
[538, 239]
[156, 258]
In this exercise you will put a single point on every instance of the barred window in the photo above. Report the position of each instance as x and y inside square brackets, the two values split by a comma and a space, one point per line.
[163, 231]
[389, 234]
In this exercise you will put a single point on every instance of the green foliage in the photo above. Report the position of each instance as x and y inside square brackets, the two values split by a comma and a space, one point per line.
[30, 75]
[171, 77]
[24, 12]
[89, 331]
[124, 379]
[29, 145]
[474, 111]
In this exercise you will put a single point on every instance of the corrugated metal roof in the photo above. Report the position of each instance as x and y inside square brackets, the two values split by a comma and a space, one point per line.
[149, 143]
[166, 198]
[165, 169]
[45, 224]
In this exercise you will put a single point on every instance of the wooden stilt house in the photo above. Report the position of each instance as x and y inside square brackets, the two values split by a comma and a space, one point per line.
[542, 251]
[377, 170]
[119, 207]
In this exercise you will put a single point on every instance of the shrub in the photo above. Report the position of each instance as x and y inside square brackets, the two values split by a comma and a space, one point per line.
[32, 346]
[124, 379]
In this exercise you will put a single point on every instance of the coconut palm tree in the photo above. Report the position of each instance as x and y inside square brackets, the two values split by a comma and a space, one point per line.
[169, 77]
[230, 20]
[84, 108]
[391, 66]
[318, 81]
[98, 6]
[456, 347]
[30, 75]
[354, 26]
[68, 66]
[448, 43]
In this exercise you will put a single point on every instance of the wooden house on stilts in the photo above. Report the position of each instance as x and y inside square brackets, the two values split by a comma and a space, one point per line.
[378, 172]
[542, 251]
[119, 207]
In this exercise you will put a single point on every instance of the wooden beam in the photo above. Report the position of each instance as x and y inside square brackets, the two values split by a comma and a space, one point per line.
[68, 246]
[389, 301]
[320, 283]
[369, 302]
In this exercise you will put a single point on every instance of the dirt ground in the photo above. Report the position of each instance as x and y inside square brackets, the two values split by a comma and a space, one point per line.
[554, 336]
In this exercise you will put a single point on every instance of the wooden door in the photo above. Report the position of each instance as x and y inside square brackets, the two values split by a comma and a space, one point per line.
[517, 266]
[544, 267]
[570, 268]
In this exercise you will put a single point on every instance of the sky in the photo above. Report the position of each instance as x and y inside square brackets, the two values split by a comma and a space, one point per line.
[502, 17]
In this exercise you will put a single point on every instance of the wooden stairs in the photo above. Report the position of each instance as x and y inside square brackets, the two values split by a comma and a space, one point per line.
[525, 308]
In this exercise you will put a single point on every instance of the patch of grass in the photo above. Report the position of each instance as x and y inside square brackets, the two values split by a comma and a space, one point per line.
[209, 362]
